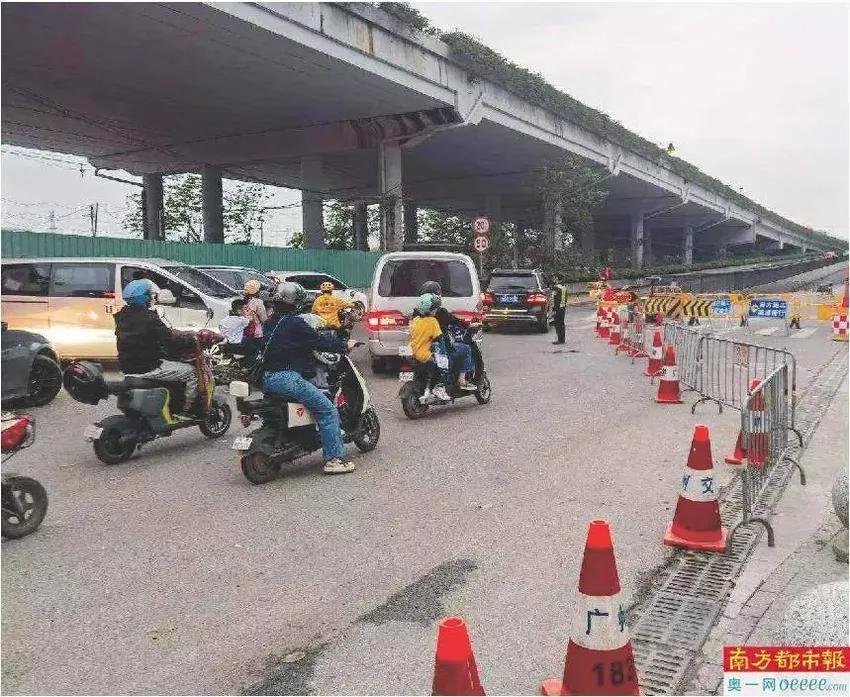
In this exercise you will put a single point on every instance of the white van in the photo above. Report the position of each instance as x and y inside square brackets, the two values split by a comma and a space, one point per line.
[71, 301]
[395, 289]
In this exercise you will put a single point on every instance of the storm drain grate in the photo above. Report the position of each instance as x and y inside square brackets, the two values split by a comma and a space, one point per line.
[659, 667]
[677, 620]
[701, 577]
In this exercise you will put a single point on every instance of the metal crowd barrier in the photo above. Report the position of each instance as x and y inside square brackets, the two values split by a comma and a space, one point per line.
[764, 438]
[688, 346]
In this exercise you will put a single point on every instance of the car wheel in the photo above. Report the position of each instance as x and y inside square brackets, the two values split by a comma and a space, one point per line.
[45, 381]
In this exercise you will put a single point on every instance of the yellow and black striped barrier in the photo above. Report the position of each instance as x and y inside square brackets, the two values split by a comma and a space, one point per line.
[670, 306]
[697, 307]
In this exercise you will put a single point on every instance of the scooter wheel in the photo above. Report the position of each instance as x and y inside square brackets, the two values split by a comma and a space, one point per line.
[484, 391]
[412, 408]
[110, 450]
[259, 468]
[217, 421]
[29, 509]
[369, 431]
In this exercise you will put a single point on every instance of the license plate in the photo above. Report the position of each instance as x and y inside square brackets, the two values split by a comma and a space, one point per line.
[92, 432]
[242, 443]
[405, 377]
[508, 299]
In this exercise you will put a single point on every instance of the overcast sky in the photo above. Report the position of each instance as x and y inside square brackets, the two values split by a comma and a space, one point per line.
[753, 94]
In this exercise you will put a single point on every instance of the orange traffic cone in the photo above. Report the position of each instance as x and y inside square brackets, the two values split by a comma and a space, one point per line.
[614, 340]
[696, 523]
[655, 353]
[605, 324]
[738, 457]
[455, 672]
[668, 386]
[599, 657]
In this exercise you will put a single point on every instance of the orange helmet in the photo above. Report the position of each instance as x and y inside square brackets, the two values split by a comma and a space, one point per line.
[326, 287]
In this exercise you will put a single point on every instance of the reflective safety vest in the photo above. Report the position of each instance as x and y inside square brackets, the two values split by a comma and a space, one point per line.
[560, 296]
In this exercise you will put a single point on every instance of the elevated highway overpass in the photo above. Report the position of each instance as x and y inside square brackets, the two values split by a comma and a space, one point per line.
[341, 101]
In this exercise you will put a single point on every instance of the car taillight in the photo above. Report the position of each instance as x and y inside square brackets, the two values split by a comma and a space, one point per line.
[15, 433]
[536, 299]
[385, 319]
[468, 317]
[488, 298]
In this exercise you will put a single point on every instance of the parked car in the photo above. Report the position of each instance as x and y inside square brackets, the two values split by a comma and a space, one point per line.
[29, 371]
[311, 282]
[235, 277]
[395, 288]
[518, 297]
[71, 300]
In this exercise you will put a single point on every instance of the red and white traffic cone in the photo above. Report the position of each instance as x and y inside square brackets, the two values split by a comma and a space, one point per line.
[605, 323]
[668, 385]
[598, 319]
[655, 355]
[696, 523]
[614, 339]
[455, 671]
[599, 658]
[738, 457]
[756, 425]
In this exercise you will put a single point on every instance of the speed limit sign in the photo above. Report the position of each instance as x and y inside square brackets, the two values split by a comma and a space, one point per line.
[480, 244]
[481, 226]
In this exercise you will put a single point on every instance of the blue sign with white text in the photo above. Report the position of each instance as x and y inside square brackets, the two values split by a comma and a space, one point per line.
[768, 309]
[721, 307]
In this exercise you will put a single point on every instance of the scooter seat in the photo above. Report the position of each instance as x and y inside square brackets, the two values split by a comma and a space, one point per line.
[133, 382]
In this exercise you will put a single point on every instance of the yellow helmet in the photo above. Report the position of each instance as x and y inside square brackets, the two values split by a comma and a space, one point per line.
[252, 287]
[326, 287]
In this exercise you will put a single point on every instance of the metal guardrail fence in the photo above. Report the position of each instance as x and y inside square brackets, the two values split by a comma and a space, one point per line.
[749, 278]
[764, 438]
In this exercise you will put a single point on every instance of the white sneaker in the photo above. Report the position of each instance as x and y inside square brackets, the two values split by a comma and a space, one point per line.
[441, 394]
[465, 385]
[338, 466]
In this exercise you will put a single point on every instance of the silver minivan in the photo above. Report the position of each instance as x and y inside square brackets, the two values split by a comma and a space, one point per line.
[395, 289]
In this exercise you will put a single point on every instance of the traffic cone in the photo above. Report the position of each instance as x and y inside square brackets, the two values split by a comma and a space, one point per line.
[605, 324]
[655, 354]
[599, 658]
[757, 436]
[455, 672]
[696, 523]
[738, 457]
[598, 319]
[614, 339]
[638, 337]
[668, 386]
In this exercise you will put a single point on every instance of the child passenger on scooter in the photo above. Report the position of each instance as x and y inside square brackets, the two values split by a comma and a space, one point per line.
[233, 328]
[428, 345]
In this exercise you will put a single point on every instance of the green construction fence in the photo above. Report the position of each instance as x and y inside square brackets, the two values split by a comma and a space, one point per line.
[353, 268]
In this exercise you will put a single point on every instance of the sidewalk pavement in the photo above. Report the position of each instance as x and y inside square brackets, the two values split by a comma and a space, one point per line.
[805, 525]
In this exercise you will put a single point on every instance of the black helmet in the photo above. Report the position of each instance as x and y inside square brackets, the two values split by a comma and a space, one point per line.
[431, 287]
[84, 382]
[347, 317]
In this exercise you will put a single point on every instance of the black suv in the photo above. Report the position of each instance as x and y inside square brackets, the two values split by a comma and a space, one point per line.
[518, 296]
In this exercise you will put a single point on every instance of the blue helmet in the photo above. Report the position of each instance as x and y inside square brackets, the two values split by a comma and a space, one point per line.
[139, 292]
[428, 302]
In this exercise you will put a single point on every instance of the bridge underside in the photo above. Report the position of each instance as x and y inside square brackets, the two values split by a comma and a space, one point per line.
[156, 89]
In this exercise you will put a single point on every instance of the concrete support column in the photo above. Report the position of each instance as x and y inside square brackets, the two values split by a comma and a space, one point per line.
[360, 222]
[212, 205]
[552, 209]
[688, 246]
[152, 207]
[519, 242]
[637, 239]
[648, 254]
[312, 212]
[723, 251]
[411, 223]
[392, 210]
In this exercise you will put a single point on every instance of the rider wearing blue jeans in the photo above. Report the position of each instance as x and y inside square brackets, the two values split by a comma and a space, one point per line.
[289, 363]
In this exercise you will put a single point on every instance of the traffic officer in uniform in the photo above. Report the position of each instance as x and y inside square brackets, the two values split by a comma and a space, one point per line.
[560, 308]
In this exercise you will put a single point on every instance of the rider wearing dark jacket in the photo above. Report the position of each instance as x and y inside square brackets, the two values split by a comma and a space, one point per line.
[294, 343]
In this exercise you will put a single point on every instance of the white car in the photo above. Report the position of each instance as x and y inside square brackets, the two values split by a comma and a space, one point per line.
[311, 281]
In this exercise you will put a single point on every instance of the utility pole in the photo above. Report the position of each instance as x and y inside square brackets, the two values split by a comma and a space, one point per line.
[93, 210]
[52, 218]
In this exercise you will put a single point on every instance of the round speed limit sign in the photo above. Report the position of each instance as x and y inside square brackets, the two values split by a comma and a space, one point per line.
[481, 226]
[480, 244]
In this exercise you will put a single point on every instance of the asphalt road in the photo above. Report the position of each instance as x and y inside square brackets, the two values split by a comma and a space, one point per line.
[172, 574]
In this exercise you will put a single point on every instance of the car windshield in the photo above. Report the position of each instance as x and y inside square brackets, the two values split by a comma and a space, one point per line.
[402, 278]
[201, 281]
[526, 282]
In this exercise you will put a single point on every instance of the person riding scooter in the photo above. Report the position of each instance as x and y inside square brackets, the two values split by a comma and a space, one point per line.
[289, 364]
[144, 342]
[459, 353]
[327, 305]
